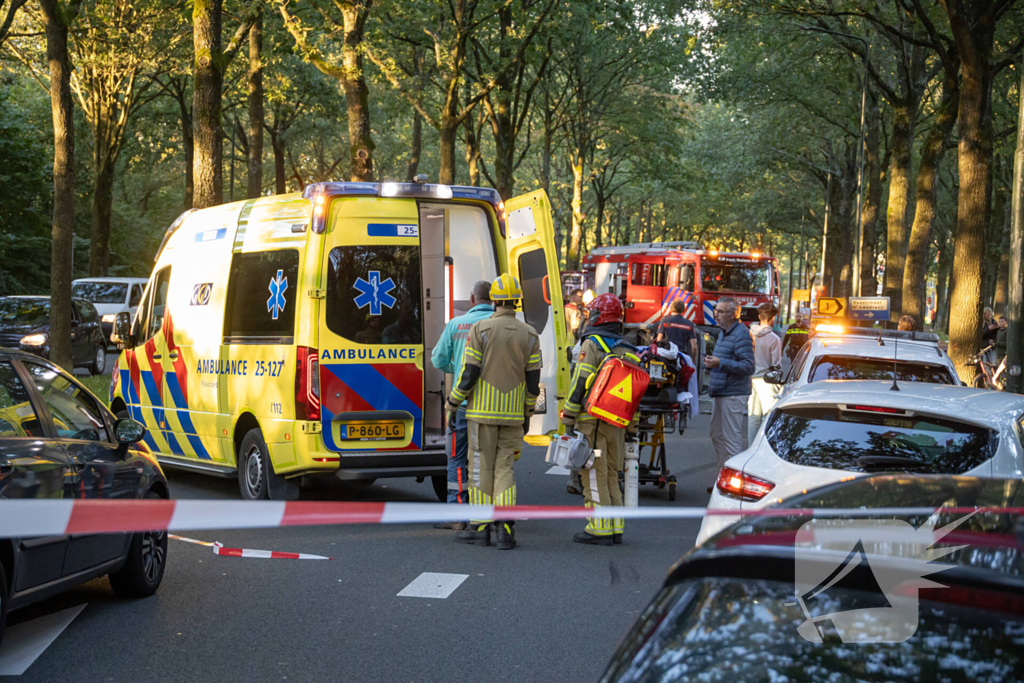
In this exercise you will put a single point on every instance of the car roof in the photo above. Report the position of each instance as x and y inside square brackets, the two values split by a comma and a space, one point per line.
[118, 280]
[994, 551]
[25, 296]
[982, 406]
[905, 350]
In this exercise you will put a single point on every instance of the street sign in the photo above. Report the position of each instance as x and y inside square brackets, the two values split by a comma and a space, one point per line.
[801, 295]
[869, 308]
[831, 306]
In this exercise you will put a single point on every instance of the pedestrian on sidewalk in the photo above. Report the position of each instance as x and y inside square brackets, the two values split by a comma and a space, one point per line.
[989, 328]
[731, 368]
[767, 354]
[447, 357]
[796, 336]
[1001, 339]
[501, 380]
[574, 312]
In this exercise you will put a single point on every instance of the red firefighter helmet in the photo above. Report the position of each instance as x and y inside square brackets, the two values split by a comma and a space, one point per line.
[605, 309]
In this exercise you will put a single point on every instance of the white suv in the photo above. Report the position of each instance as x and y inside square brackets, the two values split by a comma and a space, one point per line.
[110, 296]
[831, 431]
[863, 353]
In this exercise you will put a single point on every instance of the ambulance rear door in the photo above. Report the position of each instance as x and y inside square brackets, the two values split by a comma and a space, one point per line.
[371, 329]
[532, 257]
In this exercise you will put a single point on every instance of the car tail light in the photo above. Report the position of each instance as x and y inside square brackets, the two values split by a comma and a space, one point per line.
[307, 384]
[736, 483]
[877, 409]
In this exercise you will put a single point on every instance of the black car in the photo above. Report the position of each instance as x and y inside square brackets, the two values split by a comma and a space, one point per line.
[58, 441]
[730, 610]
[25, 324]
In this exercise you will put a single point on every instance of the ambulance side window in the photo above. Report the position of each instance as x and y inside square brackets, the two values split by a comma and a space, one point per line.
[260, 305]
[533, 270]
[159, 310]
[373, 294]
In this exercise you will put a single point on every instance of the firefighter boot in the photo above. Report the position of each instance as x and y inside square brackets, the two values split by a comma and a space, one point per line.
[477, 534]
[506, 535]
[591, 539]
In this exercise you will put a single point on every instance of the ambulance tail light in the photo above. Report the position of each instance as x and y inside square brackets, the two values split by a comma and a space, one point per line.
[307, 384]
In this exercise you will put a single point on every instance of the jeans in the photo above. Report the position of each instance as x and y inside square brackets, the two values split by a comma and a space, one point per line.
[458, 485]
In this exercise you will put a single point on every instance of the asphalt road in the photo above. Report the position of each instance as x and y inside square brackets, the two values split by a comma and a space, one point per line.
[548, 610]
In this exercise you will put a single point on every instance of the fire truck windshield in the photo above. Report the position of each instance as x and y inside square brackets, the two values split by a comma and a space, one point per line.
[721, 277]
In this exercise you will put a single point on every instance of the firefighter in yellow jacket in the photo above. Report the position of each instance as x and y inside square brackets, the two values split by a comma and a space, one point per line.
[600, 481]
[501, 379]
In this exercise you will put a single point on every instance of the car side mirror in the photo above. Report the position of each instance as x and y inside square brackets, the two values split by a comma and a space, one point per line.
[129, 431]
[122, 329]
[774, 376]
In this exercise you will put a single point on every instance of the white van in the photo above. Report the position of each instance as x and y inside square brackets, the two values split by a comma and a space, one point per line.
[110, 296]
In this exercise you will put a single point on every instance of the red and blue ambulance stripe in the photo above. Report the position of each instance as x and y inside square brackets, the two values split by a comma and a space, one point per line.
[370, 387]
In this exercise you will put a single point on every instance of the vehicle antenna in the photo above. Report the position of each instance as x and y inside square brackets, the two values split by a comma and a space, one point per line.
[895, 364]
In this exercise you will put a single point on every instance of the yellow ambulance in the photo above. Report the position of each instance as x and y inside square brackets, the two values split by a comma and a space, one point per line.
[290, 336]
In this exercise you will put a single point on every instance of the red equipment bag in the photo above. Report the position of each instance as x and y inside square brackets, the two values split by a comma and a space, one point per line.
[615, 394]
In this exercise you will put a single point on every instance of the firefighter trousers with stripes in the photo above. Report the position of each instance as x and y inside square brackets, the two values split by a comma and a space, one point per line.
[492, 451]
[601, 482]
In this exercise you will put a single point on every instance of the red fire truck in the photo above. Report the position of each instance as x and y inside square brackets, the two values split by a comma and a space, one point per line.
[649, 277]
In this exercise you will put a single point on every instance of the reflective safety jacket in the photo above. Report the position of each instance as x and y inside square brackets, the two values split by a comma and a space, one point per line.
[595, 347]
[500, 376]
[447, 355]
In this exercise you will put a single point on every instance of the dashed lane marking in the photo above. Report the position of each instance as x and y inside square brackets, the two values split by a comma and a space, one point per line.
[433, 585]
[557, 469]
[25, 642]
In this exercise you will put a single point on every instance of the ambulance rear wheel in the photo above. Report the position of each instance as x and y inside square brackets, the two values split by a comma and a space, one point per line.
[253, 463]
[440, 484]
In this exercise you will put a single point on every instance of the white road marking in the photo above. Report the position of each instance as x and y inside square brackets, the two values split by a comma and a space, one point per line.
[25, 642]
[433, 585]
[557, 469]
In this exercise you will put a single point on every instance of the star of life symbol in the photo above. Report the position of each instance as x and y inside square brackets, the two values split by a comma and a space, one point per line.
[276, 302]
[375, 293]
[828, 551]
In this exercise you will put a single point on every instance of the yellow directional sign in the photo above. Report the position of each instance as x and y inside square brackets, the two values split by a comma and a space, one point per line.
[831, 306]
[802, 295]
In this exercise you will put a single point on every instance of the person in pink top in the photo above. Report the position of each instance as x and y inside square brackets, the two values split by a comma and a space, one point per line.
[767, 353]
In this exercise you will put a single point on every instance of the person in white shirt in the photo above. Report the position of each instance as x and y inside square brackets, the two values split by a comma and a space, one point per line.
[767, 353]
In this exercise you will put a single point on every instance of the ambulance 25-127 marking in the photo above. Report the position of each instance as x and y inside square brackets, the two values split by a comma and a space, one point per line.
[269, 368]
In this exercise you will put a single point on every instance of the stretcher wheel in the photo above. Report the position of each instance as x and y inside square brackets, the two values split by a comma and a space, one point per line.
[672, 488]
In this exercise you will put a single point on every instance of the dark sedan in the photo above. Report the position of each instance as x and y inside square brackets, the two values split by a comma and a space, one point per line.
[25, 325]
[933, 594]
[58, 441]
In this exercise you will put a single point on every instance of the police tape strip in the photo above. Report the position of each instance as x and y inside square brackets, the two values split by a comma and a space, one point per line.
[23, 518]
[219, 549]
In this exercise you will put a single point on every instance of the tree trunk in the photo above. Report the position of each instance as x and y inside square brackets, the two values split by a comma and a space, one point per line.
[904, 117]
[102, 200]
[280, 176]
[942, 286]
[915, 268]
[412, 167]
[572, 255]
[255, 172]
[545, 162]
[872, 201]
[188, 142]
[61, 250]
[974, 39]
[1003, 269]
[472, 153]
[847, 222]
[360, 139]
[599, 220]
[206, 104]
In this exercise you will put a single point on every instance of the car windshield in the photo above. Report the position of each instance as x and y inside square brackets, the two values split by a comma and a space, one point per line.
[856, 367]
[101, 292]
[734, 629]
[720, 277]
[25, 311]
[867, 439]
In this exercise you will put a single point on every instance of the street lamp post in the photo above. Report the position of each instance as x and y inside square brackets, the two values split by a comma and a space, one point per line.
[860, 153]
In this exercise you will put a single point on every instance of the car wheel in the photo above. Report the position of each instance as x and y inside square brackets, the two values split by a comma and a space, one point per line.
[440, 483]
[147, 557]
[256, 478]
[99, 361]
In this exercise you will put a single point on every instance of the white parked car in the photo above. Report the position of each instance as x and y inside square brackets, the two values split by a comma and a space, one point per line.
[110, 296]
[861, 353]
[829, 431]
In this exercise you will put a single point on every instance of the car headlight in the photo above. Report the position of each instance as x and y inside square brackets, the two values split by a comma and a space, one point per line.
[109, 317]
[33, 340]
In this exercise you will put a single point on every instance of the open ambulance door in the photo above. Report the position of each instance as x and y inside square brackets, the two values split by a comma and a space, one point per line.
[532, 258]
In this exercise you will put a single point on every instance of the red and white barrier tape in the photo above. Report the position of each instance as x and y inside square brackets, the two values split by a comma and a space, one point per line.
[22, 518]
[219, 549]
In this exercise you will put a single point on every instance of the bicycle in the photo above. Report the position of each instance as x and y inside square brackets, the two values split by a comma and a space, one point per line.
[989, 375]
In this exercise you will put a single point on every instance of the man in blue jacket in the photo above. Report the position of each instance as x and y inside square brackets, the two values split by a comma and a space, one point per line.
[731, 369]
[447, 357]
